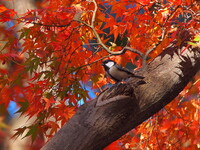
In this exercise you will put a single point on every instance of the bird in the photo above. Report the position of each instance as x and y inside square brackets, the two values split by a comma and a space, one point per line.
[117, 72]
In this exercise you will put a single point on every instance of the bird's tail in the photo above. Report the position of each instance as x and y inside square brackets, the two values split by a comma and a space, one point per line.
[140, 77]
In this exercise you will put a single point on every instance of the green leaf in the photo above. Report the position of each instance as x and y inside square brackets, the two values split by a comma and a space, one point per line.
[197, 38]
[23, 106]
[24, 32]
[19, 132]
[95, 78]
[33, 132]
[191, 43]
[32, 63]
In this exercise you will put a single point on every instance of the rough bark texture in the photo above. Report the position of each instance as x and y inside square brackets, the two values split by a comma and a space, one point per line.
[123, 107]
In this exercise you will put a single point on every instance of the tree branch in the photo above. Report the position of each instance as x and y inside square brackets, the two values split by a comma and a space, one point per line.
[99, 38]
[89, 63]
[161, 38]
[123, 107]
[153, 48]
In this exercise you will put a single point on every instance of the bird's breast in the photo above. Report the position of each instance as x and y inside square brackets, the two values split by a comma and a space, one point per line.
[118, 74]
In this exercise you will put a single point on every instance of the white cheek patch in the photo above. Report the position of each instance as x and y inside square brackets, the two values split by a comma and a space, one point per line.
[110, 64]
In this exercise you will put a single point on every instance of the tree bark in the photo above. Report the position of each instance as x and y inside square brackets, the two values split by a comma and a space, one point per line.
[123, 107]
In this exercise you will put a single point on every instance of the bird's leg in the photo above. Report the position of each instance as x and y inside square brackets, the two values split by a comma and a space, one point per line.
[118, 83]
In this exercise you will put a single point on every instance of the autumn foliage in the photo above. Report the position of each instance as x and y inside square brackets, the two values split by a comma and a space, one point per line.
[60, 50]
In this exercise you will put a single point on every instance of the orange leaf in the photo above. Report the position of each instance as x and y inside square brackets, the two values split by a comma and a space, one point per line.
[48, 102]
[113, 146]
[2, 8]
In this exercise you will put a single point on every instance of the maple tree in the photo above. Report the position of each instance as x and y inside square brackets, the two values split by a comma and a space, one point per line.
[62, 51]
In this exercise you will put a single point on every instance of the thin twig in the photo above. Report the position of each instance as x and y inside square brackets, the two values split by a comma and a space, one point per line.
[99, 38]
[161, 38]
[40, 24]
[94, 13]
[134, 51]
[89, 64]
[159, 146]
[144, 61]
[91, 44]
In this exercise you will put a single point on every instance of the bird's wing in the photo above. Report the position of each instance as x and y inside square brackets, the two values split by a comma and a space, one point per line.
[124, 69]
[128, 71]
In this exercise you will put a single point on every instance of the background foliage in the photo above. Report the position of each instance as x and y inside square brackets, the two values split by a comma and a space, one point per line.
[46, 69]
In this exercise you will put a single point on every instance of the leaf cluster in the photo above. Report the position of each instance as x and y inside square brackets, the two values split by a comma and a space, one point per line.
[46, 68]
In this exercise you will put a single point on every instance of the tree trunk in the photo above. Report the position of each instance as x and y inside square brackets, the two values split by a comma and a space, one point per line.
[123, 107]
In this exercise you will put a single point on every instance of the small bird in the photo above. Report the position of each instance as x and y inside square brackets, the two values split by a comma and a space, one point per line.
[117, 72]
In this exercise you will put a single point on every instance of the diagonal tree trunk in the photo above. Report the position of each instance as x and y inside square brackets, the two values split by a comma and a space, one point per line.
[123, 107]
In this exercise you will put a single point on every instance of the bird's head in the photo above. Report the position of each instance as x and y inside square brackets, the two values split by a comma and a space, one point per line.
[108, 63]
